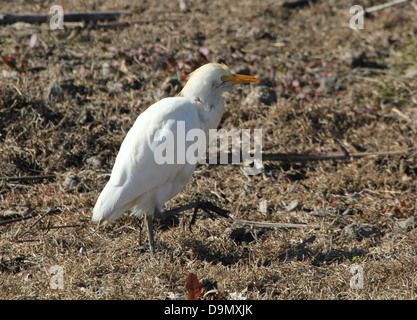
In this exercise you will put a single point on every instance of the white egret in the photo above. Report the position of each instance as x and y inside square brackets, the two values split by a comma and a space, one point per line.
[138, 182]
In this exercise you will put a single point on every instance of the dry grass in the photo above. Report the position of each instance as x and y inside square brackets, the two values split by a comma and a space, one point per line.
[61, 115]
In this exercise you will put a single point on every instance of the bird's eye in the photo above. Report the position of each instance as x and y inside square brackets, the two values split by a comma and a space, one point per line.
[223, 78]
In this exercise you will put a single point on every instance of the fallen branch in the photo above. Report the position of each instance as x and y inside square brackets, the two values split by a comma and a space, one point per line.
[28, 178]
[9, 18]
[295, 157]
[52, 210]
[25, 216]
[304, 158]
[118, 25]
[7, 221]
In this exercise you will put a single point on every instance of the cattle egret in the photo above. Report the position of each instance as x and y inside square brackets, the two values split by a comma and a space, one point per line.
[139, 182]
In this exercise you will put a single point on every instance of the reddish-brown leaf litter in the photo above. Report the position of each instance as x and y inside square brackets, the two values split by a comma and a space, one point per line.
[69, 96]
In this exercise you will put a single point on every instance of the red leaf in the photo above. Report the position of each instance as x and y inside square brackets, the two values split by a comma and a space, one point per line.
[193, 287]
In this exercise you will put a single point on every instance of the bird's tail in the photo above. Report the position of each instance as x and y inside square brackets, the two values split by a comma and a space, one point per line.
[107, 206]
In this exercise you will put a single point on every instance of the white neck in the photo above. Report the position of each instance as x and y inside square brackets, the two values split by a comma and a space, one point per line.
[209, 102]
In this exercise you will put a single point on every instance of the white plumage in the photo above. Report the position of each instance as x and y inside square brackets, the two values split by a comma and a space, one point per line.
[138, 183]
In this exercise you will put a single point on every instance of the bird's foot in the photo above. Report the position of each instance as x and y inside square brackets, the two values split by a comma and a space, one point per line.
[206, 206]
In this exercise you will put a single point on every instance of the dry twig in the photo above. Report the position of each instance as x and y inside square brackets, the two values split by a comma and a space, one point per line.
[25, 216]
[384, 6]
[8, 18]
[273, 225]
[296, 157]
[52, 210]
[28, 178]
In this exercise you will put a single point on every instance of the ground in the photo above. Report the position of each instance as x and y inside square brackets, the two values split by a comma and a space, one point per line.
[69, 96]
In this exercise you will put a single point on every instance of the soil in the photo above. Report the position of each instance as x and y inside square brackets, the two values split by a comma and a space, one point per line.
[69, 96]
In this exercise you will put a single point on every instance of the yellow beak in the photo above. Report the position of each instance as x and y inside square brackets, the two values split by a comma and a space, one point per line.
[239, 78]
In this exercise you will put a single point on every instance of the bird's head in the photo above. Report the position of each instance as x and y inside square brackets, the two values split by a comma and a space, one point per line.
[212, 79]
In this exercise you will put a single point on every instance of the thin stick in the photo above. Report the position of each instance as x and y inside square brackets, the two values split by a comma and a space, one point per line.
[36, 222]
[4, 222]
[293, 187]
[125, 24]
[273, 225]
[27, 215]
[62, 227]
[296, 157]
[401, 114]
[304, 158]
[9, 18]
[384, 6]
[28, 178]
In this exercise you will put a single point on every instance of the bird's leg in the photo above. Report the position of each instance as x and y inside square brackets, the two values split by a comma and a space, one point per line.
[149, 222]
[194, 217]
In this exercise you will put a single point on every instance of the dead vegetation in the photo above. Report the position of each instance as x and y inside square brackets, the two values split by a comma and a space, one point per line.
[69, 96]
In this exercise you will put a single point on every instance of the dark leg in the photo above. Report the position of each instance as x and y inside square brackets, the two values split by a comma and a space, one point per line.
[149, 222]
[194, 217]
